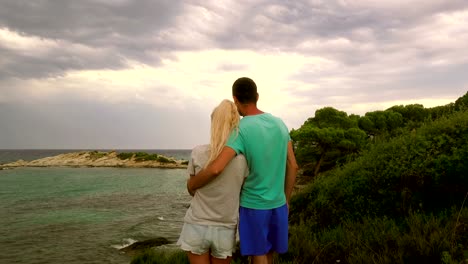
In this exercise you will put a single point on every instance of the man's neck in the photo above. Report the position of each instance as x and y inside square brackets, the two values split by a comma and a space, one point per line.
[251, 110]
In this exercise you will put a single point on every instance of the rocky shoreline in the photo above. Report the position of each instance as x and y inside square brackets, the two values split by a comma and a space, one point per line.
[102, 159]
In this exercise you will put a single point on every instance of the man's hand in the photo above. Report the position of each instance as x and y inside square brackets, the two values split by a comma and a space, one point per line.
[291, 172]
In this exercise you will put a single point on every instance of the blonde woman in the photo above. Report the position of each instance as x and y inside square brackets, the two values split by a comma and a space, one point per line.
[210, 224]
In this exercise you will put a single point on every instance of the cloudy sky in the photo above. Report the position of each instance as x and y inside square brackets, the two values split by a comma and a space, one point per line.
[147, 73]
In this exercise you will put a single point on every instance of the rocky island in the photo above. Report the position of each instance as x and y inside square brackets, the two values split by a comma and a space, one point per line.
[103, 159]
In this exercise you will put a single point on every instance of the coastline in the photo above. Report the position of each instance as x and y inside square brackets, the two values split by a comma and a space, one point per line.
[102, 159]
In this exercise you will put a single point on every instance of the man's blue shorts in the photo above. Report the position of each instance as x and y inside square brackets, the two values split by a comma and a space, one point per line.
[262, 231]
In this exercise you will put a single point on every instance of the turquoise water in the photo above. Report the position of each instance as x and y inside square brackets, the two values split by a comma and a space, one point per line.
[84, 215]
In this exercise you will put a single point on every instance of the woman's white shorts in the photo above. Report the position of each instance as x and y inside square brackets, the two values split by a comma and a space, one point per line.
[199, 239]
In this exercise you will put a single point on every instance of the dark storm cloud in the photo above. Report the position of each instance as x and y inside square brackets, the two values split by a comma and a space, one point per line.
[146, 30]
[118, 30]
[88, 21]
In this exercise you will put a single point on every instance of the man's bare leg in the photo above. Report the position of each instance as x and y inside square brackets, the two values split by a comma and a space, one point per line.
[263, 259]
[270, 257]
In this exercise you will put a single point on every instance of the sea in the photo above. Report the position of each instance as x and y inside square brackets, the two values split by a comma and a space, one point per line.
[85, 215]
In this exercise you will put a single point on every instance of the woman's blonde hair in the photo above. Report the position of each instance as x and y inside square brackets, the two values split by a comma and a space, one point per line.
[224, 119]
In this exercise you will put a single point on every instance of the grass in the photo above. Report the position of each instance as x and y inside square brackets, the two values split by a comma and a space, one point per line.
[152, 256]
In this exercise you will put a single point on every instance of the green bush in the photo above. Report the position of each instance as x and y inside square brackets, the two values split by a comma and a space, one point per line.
[390, 205]
[164, 160]
[125, 155]
[152, 256]
[138, 156]
[142, 156]
[94, 155]
[423, 171]
[418, 238]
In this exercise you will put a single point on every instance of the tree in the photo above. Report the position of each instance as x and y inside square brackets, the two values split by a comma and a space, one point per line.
[329, 136]
[412, 114]
[462, 103]
[380, 122]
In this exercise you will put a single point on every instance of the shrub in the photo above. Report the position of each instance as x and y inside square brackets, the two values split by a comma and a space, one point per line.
[142, 156]
[422, 171]
[163, 159]
[418, 238]
[152, 256]
[94, 155]
[125, 155]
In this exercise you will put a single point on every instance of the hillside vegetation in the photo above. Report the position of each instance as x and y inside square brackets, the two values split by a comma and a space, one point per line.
[387, 187]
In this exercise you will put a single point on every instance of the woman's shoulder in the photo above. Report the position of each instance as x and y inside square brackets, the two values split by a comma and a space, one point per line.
[200, 150]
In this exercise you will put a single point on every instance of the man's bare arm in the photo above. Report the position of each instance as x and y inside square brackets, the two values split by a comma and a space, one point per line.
[211, 171]
[291, 172]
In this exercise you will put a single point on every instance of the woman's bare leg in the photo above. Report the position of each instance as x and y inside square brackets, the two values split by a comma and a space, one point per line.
[199, 259]
[220, 261]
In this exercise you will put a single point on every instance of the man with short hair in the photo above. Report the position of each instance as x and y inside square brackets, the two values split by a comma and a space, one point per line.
[265, 142]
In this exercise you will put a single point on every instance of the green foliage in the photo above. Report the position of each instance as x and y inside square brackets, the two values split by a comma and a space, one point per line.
[413, 112]
[461, 104]
[94, 155]
[152, 256]
[331, 117]
[379, 123]
[418, 238]
[441, 111]
[143, 156]
[164, 160]
[425, 170]
[326, 139]
[323, 141]
[125, 155]
[177, 256]
[390, 204]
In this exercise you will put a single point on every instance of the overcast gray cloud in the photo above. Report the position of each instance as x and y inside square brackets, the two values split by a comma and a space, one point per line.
[96, 22]
[90, 34]
[126, 73]
[84, 124]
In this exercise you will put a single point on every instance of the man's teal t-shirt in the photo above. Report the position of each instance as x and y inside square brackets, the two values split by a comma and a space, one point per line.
[263, 139]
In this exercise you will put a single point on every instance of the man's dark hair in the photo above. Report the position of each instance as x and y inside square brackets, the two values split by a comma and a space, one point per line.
[245, 90]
